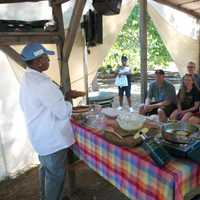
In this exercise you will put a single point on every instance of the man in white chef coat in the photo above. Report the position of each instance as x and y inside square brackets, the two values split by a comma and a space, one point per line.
[47, 117]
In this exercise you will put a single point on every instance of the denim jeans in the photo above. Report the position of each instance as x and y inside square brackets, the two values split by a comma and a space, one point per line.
[52, 175]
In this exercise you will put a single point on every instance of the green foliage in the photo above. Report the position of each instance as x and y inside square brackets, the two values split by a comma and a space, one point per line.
[108, 69]
[128, 43]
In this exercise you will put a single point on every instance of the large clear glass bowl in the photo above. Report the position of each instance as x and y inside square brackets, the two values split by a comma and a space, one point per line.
[130, 121]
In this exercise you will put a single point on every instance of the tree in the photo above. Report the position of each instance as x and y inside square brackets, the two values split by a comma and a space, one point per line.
[128, 43]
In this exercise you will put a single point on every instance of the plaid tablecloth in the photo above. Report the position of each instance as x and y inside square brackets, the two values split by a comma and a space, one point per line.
[132, 171]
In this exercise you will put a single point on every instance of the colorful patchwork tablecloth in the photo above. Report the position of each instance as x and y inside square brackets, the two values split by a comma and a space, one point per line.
[132, 171]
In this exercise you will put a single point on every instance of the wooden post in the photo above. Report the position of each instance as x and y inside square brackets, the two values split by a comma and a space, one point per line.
[59, 1]
[198, 64]
[85, 69]
[63, 63]
[143, 48]
[73, 27]
[58, 18]
[65, 84]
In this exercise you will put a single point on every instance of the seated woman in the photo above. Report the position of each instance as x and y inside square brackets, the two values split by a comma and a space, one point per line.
[188, 100]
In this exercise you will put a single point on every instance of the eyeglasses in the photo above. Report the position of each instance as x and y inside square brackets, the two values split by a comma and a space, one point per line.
[190, 66]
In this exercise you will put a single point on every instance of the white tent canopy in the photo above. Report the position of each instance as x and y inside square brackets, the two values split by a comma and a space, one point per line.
[21, 11]
[179, 32]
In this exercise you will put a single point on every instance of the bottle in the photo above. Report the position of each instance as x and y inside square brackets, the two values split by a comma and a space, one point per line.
[156, 151]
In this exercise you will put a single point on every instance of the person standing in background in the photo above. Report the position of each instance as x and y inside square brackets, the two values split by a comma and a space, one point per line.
[123, 82]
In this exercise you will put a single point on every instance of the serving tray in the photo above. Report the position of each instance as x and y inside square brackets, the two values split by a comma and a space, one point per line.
[128, 139]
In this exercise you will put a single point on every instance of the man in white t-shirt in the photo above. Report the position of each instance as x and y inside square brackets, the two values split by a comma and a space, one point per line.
[47, 116]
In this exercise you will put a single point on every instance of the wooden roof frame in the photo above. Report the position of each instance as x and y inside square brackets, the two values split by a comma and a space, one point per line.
[63, 41]
[22, 1]
[19, 1]
[178, 7]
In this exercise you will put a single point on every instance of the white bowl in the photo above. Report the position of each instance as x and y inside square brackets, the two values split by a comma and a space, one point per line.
[130, 121]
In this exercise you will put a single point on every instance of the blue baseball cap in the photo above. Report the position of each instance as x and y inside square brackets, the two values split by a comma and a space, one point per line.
[34, 50]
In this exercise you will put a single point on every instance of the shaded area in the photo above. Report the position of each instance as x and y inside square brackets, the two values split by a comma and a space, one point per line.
[90, 186]
[22, 188]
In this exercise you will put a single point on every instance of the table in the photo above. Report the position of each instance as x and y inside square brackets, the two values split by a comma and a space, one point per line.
[132, 171]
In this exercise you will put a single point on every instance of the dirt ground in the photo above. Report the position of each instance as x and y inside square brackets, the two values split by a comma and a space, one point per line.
[21, 188]
[26, 186]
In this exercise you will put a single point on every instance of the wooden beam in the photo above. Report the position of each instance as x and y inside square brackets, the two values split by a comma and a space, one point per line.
[198, 64]
[143, 48]
[73, 27]
[85, 69]
[65, 82]
[13, 38]
[63, 63]
[58, 18]
[178, 7]
[187, 2]
[28, 34]
[13, 55]
[19, 1]
[55, 2]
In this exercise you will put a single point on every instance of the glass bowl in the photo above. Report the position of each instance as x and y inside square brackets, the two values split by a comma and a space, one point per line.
[130, 121]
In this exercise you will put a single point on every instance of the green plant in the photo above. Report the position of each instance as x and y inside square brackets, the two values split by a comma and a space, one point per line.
[128, 43]
[108, 69]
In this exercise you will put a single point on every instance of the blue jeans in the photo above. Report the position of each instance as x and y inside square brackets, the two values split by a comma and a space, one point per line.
[52, 175]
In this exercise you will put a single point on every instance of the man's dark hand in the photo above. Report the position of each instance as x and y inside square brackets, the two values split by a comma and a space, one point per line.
[72, 94]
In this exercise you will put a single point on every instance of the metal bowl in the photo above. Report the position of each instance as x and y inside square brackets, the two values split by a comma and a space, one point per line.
[178, 132]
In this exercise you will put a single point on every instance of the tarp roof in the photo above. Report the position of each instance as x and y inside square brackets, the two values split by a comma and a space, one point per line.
[191, 7]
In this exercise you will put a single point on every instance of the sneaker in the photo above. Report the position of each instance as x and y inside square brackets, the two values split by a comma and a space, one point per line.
[131, 109]
[119, 108]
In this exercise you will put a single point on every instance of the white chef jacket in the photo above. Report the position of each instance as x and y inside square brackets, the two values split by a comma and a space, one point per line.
[46, 112]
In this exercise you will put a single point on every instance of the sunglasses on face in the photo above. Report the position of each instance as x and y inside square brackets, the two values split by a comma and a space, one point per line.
[191, 66]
